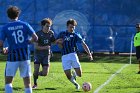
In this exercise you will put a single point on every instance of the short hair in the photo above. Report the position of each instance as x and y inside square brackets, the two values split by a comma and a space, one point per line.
[13, 12]
[46, 20]
[71, 21]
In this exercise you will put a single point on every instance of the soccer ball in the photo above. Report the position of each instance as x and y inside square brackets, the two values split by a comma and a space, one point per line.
[87, 86]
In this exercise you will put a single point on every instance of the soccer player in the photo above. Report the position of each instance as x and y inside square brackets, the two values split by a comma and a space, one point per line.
[68, 41]
[17, 34]
[42, 50]
[137, 44]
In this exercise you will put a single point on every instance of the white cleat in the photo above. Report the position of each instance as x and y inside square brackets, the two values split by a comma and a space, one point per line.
[77, 86]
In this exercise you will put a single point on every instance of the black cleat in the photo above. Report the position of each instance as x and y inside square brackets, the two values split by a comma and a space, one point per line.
[138, 72]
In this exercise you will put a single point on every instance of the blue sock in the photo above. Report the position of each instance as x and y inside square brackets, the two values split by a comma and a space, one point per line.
[28, 90]
[8, 88]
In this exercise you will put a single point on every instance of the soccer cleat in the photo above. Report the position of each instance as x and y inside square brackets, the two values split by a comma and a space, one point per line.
[74, 74]
[138, 72]
[77, 86]
[34, 87]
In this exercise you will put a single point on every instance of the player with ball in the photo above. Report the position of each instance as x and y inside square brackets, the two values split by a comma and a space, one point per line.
[68, 40]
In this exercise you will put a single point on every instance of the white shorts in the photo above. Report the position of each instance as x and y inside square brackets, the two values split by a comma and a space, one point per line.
[70, 61]
[24, 68]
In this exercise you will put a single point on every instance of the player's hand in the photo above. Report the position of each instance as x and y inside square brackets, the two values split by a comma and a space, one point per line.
[90, 57]
[59, 41]
[47, 47]
[5, 50]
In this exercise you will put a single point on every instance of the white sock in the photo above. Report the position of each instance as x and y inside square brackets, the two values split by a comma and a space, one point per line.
[28, 90]
[73, 80]
[75, 73]
[8, 88]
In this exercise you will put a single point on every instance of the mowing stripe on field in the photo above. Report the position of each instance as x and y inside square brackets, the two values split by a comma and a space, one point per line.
[111, 77]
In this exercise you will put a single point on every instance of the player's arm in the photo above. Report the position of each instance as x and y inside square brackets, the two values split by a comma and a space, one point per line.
[1, 46]
[59, 42]
[53, 39]
[41, 47]
[87, 50]
[2, 39]
[34, 38]
[2, 49]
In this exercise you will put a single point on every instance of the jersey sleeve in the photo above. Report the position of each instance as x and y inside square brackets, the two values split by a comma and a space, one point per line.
[2, 34]
[53, 37]
[79, 38]
[38, 34]
[30, 29]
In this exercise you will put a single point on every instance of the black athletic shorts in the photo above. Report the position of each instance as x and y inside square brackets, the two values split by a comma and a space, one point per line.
[138, 52]
[44, 60]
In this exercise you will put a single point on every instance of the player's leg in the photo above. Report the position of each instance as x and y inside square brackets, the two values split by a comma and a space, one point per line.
[138, 57]
[78, 72]
[45, 66]
[139, 68]
[38, 60]
[76, 65]
[68, 74]
[139, 65]
[70, 77]
[10, 71]
[35, 74]
[45, 70]
[8, 84]
[66, 63]
[25, 73]
[27, 84]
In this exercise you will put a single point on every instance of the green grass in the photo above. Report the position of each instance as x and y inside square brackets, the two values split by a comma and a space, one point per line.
[96, 72]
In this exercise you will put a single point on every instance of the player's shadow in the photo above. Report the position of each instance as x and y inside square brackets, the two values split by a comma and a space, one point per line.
[45, 89]
[17, 88]
[51, 88]
[2, 89]
[78, 91]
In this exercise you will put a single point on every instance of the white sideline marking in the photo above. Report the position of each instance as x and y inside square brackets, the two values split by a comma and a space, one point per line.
[111, 77]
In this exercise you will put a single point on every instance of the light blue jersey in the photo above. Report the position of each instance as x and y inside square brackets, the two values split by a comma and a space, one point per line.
[17, 33]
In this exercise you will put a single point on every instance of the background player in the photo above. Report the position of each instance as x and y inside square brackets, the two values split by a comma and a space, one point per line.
[137, 44]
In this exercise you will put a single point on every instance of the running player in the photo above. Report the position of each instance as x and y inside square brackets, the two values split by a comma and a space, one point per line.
[42, 50]
[68, 41]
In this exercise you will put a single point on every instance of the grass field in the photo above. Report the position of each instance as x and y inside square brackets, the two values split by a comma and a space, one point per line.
[97, 73]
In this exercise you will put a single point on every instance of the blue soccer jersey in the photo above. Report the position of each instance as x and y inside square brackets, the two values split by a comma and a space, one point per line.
[17, 34]
[70, 41]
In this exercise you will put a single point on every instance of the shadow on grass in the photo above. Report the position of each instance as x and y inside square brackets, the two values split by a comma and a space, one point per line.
[51, 88]
[17, 88]
[78, 91]
[45, 89]
[2, 89]
[123, 87]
